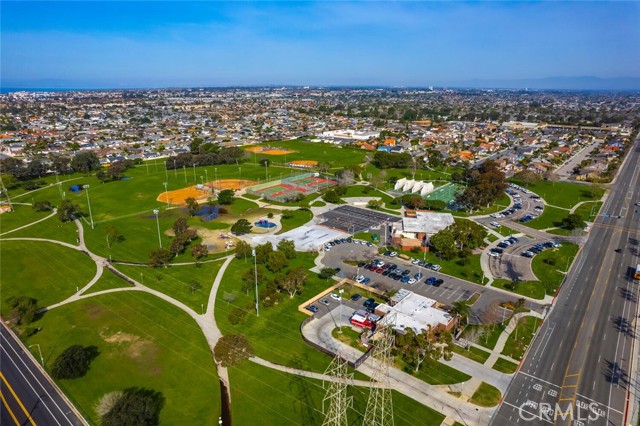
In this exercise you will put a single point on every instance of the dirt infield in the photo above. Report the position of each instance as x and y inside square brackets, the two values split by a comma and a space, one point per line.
[268, 151]
[178, 196]
[230, 183]
[304, 163]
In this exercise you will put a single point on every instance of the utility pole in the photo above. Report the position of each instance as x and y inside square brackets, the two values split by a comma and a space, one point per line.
[4, 189]
[379, 411]
[336, 401]
[255, 275]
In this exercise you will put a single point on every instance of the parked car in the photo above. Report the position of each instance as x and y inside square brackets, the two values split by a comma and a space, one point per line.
[366, 280]
[369, 302]
[335, 296]
[495, 224]
[393, 254]
[312, 308]
[356, 297]
[527, 254]
[436, 267]
[325, 302]
[411, 281]
[430, 280]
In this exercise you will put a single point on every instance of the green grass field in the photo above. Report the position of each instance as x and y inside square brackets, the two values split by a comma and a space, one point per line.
[174, 280]
[563, 194]
[436, 374]
[499, 205]
[473, 353]
[486, 395]
[589, 210]
[505, 231]
[533, 289]
[20, 216]
[321, 152]
[520, 338]
[551, 274]
[45, 271]
[275, 334]
[468, 269]
[485, 335]
[504, 366]
[108, 281]
[51, 229]
[143, 342]
[366, 191]
[278, 398]
[298, 218]
[551, 217]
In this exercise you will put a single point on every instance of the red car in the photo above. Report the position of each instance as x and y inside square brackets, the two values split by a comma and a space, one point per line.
[379, 270]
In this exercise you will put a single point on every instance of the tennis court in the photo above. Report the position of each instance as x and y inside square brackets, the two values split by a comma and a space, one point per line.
[446, 193]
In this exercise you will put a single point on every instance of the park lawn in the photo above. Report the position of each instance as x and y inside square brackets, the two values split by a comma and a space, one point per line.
[551, 265]
[108, 281]
[240, 206]
[436, 374]
[473, 353]
[143, 342]
[22, 195]
[304, 150]
[533, 289]
[278, 398]
[318, 203]
[367, 191]
[44, 271]
[505, 366]
[492, 238]
[437, 177]
[505, 231]
[499, 205]
[20, 216]
[563, 194]
[298, 218]
[365, 236]
[50, 229]
[551, 217]
[174, 280]
[487, 336]
[520, 338]
[589, 210]
[251, 196]
[560, 231]
[275, 334]
[348, 335]
[486, 396]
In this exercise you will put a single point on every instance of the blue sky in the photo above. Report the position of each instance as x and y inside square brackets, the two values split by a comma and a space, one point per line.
[154, 44]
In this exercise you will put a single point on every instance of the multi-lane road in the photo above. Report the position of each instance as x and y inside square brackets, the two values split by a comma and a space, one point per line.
[578, 370]
[27, 397]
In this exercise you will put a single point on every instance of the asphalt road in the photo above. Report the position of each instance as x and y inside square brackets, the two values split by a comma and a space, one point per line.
[581, 359]
[28, 397]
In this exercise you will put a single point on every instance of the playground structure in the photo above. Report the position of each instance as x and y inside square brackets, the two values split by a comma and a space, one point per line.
[289, 188]
[268, 150]
[207, 213]
[263, 223]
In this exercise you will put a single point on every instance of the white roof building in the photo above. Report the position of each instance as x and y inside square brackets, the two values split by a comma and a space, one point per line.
[415, 312]
[428, 223]
[413, 186]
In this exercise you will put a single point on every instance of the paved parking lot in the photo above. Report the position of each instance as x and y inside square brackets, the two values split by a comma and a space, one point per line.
[453, 289]
[511, 265]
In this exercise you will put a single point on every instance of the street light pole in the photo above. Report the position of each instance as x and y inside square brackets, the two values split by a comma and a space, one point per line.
[40, 352]
[156, 212]
[86, 188]
[340, 291]
[255, 274]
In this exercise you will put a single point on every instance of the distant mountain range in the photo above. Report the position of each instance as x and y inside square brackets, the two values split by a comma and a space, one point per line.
[548, 83]
[557, 83]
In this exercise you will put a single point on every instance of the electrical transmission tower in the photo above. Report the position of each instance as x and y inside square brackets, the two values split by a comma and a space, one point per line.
[336, 402]
[379, 410]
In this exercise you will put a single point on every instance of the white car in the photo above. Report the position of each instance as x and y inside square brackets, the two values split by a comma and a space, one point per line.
[393, 254]
[496, 224]
[412, 281]
[436, 267]
[415, 261]
[492, 254]
[335, 296]
[360, 278]
[637, 203]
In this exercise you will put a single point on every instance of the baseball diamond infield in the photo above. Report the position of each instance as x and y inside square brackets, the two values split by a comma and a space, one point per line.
[178, 196]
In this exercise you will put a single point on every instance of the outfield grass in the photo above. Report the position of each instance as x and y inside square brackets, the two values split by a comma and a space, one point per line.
[143, 341]
[533, 289]
[486, 396]
[562, 194]
[552, 275]
[275, 334]
[320, 152]
[298, 218]
[520, 338]
[20, 216]
[589, 210]
[174, 281]
[487, 335]
[278, 398]
[44, 271]
[473, 353]
[550, 218]
[504, 366]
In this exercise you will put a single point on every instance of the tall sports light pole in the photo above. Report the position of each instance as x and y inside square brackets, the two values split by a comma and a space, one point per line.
[195, 180]
[157, 212]
[216, 172]
[175, 171]
[86, 188]
[255, 274]
[206, 174]
[184, 168]
[166, 193]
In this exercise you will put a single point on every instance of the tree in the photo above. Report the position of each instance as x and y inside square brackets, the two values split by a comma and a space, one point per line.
[42, 206]
[67, 211]
[23, 309]
[242, 226]
[265, 162]
[112, 235]
[225, 197]
[180, 226]
[461, 310]
[276, 261]
[573, 221]
[527, 177]
[178, 244]
[73, 362]
[243, 250]
[192, 205]
[199, 251]
[232, 349]
[249, 278]
[293, 282]
[85, 162]
[326, 273]
[444, 243]
[194, 286]
[61, 164]
[160, 257]
[116, 170]
[331, 197]
[345, 177]
[137, 406]
[375, 204]
[263, 251]
[288, 248]
[35, 169]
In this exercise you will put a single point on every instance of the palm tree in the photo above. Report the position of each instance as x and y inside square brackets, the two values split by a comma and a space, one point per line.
[461, 310]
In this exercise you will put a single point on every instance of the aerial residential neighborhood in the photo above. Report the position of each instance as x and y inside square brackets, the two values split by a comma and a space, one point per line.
[320, 213]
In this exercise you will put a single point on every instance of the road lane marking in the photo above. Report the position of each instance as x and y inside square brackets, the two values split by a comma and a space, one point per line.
[13, 416]
[543, 381]
[17, 399]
